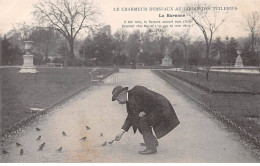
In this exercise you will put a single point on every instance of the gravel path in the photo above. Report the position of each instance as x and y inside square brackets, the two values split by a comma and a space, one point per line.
[199, 138]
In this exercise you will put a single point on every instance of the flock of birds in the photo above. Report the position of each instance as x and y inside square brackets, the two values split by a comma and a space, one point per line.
[60, 149]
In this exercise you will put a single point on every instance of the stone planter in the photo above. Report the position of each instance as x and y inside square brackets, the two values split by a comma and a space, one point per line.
[28, 66]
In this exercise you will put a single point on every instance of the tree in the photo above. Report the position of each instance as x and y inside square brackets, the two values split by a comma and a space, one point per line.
[46, 42]
[68, 17]
[133, 45]
[11, 54]
[231, 51]
[252, 24]
[121, 37]
[162, 39]
[177, 57]
[99, 47]
[218, 47]
[184, 40]
[208, 21]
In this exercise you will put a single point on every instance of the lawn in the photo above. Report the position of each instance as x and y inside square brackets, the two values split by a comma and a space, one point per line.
[243, 109]
[20, 92]
[222, 81]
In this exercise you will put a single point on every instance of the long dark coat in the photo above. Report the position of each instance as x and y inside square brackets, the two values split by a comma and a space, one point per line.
[157, 108]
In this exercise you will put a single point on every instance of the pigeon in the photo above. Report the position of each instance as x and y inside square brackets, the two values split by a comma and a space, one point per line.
[39, 138]
[5, 152]
[64, 134]
[111, 142]
[37, 129]
[101, 134]
[18, 144]
[83, 139]
[104, 144]
[21, 152]
[88, 128]
[60, 149]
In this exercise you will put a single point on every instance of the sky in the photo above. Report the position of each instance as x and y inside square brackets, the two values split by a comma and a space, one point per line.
[18, 11]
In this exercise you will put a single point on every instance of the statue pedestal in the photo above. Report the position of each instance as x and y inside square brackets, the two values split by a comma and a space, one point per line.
[239, 62]
[166, 61]
[28, 66]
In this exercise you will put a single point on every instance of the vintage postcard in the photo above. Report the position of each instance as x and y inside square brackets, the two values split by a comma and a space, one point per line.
[129, 81]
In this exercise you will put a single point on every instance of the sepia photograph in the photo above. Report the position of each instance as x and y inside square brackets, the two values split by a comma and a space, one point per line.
[130, 81]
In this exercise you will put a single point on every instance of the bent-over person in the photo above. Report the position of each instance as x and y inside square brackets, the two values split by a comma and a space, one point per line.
[146, 110]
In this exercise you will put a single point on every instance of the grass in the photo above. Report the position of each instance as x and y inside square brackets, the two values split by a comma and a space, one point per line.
[242, 109]
[20, 92]
[221, 81]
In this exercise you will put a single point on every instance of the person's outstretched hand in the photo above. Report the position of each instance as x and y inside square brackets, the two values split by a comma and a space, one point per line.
[119, 136]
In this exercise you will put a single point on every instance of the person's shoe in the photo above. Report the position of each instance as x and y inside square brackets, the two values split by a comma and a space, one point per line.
[143, 144]
[148, 151]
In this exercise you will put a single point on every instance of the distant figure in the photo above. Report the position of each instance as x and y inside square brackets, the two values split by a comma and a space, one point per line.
[146, 110]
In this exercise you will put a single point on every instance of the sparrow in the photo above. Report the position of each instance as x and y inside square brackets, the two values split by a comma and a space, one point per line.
[60, 149]
[39, 138]
[41, 147]
[83, 139]
[18, 144]
[104, 144]
[5, 152]
[64, 134]
[21, 152]
[88, 128]
[43, 144]
[37, 129]
[101, 134]
[111, 142]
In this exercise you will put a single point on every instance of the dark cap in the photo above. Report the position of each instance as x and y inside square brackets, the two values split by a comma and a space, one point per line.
[117, 90]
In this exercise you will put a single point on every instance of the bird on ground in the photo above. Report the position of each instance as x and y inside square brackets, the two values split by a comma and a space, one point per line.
[88, 128]
[39, 138]
[111, 142]
[21, 152]
[83, 139]
[104, 144]
[64, 134]
[43, 144]
[37, 129]
[101, 134]
[18, 144]
[41, 147]
[5, 152]
[60, 149]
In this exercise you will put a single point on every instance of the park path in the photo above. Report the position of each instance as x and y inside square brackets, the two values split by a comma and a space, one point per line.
[199, 138]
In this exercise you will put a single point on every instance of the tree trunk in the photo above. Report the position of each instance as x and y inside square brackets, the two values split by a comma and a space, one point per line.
[207, 61]
[69, 58]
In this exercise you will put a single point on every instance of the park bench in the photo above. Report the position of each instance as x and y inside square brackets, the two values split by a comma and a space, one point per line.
[95, 77]
[140, 64]
[54, 65]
